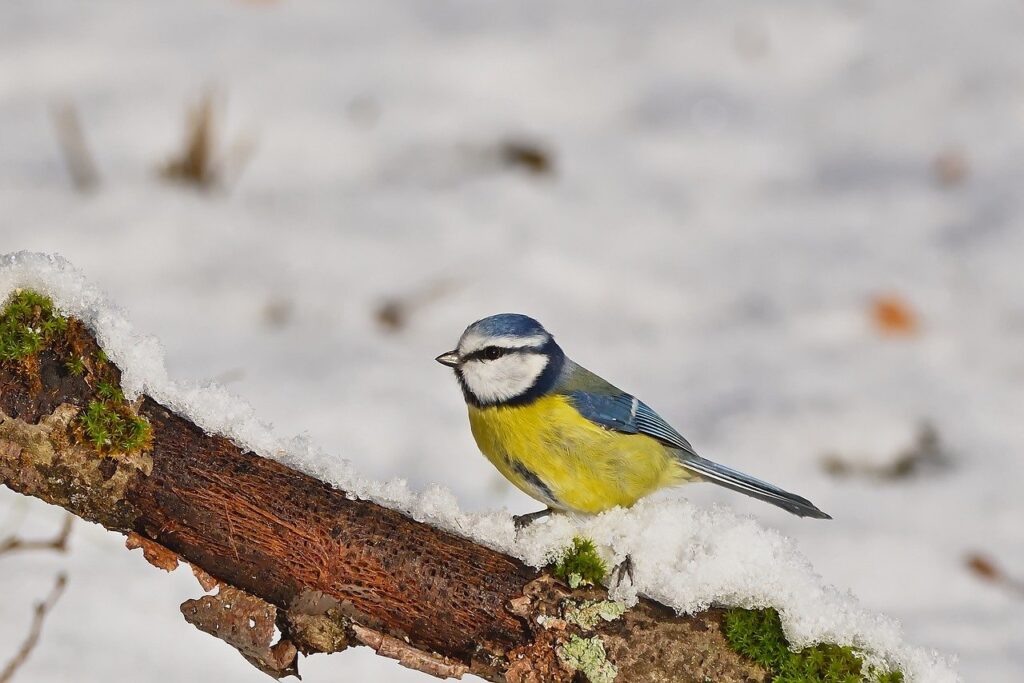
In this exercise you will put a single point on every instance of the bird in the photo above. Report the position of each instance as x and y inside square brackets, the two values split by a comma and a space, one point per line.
[568, 438]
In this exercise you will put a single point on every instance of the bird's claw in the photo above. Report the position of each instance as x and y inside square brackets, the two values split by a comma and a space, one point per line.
[523, 521]
[622, 570]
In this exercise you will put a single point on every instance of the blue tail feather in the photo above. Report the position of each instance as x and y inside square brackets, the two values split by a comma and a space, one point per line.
[737, 481]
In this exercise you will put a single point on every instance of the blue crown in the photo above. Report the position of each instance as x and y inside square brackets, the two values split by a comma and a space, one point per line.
[509, 325]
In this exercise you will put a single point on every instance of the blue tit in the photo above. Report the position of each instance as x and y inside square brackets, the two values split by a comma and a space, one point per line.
[568, 438]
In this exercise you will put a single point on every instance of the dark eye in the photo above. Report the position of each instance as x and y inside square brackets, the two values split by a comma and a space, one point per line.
[493, 353]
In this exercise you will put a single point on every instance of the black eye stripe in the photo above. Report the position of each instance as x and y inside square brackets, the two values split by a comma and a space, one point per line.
[496, 352]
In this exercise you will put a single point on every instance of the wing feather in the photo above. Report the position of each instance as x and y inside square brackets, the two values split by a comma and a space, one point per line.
[628, 414]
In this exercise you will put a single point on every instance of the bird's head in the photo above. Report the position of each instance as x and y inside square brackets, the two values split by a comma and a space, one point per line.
[505, 359]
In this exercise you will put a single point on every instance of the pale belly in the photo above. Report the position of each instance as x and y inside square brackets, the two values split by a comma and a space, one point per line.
[567, 462]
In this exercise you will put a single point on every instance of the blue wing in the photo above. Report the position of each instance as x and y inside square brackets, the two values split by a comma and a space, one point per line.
[628, 414]
[610, 407]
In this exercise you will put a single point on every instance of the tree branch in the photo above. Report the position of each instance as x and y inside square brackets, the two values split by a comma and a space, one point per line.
[329, 572]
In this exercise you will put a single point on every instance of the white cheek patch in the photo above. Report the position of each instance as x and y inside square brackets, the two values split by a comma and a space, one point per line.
[504, 378]
[474, 341]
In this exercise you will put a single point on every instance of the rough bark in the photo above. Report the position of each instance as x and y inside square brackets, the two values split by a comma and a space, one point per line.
[330, 572]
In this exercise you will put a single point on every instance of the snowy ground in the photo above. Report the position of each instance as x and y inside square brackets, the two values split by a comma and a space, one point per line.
[732, 187]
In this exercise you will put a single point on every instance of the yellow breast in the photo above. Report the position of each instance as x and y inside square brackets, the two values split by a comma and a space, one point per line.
[557, 456]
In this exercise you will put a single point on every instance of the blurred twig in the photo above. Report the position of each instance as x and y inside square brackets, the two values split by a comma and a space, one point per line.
[42, 609]
[926, 452]
[198, 163]
[527, 156]
[278, 312]
[71, 140]
[986, 569]
[393, 313]
[58, 542]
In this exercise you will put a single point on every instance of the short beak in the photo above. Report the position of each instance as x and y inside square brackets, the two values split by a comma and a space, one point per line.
[451, 359]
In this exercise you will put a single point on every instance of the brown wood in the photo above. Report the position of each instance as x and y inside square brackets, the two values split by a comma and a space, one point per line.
[278, 533]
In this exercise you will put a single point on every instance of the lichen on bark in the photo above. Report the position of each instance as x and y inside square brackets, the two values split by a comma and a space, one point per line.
[42, 460]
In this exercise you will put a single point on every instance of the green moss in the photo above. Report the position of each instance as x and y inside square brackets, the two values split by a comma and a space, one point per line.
[580, 565]
[587, 656]
[589, 613]
[111, 427]
[76, 366]
[109, 391]
[757, 634]
[891, 677]
[28, 321]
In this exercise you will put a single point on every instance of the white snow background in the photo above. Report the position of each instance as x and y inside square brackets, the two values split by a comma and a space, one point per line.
[732, 186]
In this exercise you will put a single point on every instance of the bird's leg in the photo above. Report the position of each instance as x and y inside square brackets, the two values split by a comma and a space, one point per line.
[522, 521]
[622, 570]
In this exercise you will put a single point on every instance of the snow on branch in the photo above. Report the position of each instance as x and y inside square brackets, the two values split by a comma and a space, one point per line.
[286, 550]
[289, 537]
